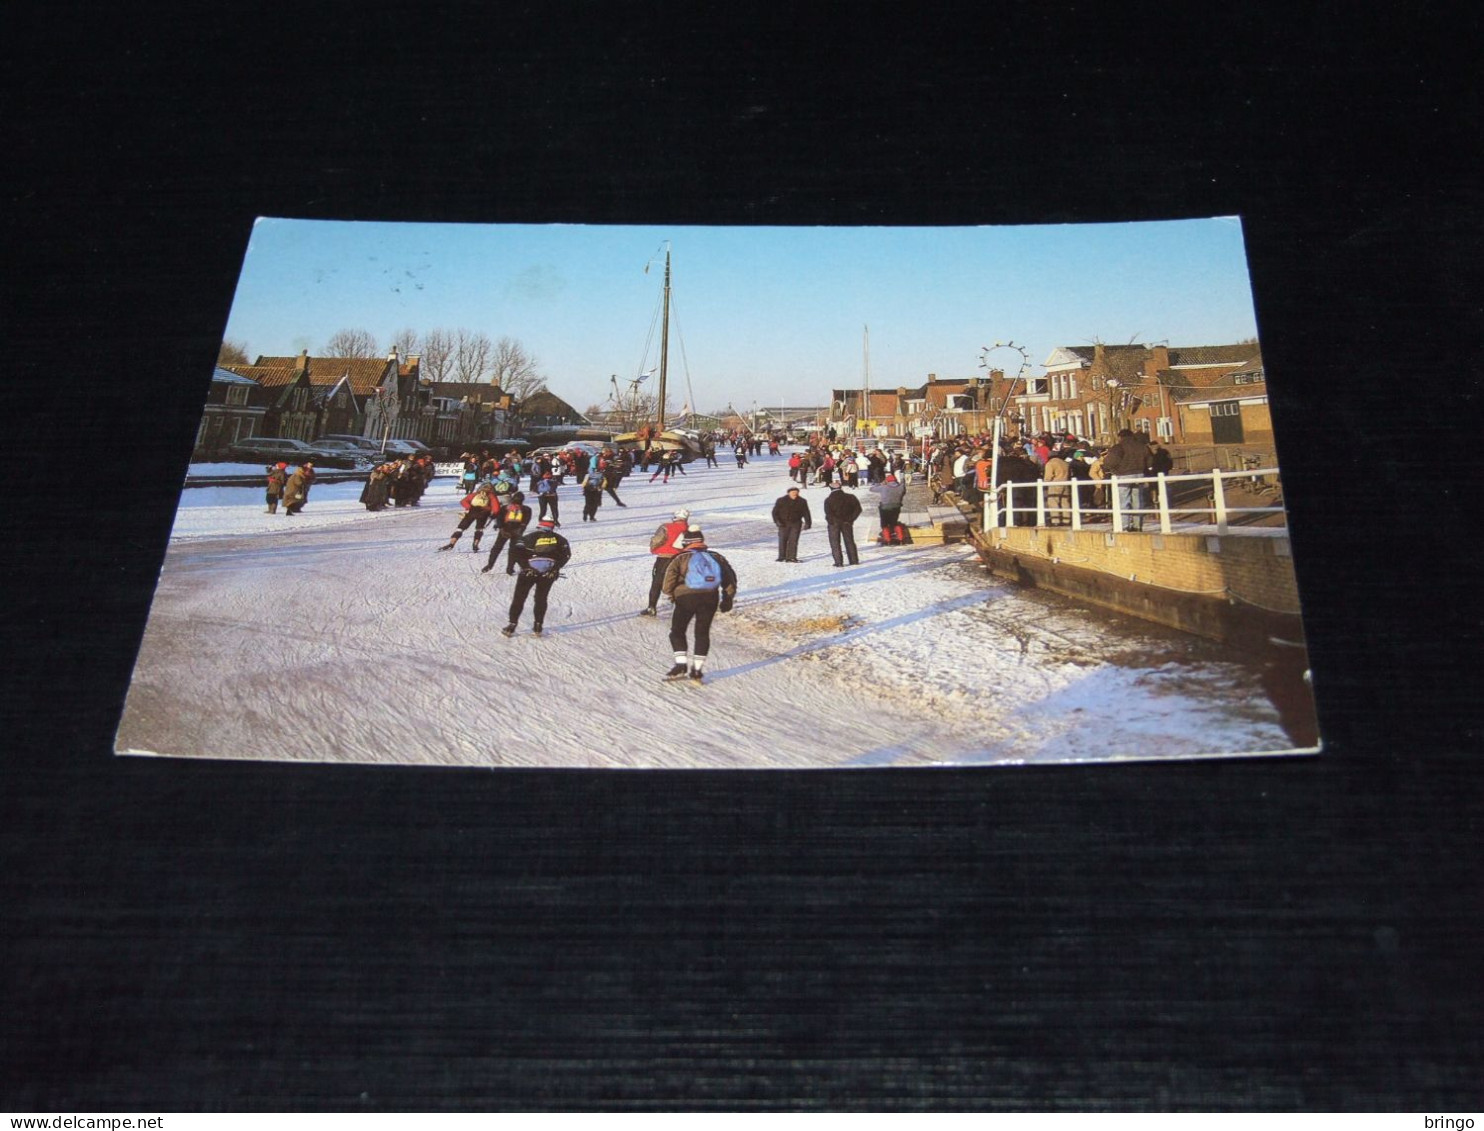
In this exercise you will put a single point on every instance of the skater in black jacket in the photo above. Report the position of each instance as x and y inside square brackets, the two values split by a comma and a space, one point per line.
[512, 521]
[539, 556]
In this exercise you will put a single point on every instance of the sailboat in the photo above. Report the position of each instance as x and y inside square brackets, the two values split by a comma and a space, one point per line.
[652, 435]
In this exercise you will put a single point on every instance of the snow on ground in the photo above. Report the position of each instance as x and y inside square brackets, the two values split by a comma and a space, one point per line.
[338, 635]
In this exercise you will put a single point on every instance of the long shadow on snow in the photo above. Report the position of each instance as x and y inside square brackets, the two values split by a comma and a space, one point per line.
[854, 634]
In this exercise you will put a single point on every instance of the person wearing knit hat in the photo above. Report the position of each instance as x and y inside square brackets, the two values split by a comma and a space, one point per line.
[546, 496]
[702, 583]
[296, 489]
[889, 505]
[277, 477]
[539, 557]
[664, 545]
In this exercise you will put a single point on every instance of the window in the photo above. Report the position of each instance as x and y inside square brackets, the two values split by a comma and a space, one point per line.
[1038, 386]
[236, 394]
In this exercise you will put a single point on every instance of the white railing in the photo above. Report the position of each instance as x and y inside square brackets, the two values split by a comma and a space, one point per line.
[1207, 507]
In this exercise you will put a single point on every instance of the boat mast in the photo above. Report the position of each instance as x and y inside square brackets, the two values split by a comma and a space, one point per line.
[665, 340]
[865, 413]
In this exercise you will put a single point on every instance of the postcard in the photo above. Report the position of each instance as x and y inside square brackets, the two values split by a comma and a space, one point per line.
[731, 498]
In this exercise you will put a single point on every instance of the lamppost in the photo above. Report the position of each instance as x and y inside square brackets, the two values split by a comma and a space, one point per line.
[994, 453]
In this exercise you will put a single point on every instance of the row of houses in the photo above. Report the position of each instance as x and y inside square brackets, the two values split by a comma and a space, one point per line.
[1185, 395]
[304, 398]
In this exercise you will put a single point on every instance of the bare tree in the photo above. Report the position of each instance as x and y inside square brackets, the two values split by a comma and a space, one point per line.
[472, 352]
[437, 354]
[352, 343]
[514, 370]
[405, 342]
[232, 353]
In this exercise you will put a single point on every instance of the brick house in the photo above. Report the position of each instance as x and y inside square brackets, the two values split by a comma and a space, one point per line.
[1229, 413]
[1093, 391]
[949, 406]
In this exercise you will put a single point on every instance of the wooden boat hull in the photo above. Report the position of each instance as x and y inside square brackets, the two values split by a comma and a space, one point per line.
[663, 442]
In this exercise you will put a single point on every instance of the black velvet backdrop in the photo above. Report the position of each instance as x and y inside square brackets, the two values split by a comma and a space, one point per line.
[1296, 934]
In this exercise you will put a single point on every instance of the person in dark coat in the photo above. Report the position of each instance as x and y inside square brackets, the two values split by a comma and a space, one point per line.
[512, 521]
[1017, 467]
[615, 466]
[841, 509]
[592, 492]
[404, 482]
[1128, 459]
[791, 516]
[378, 486]
[539, 556]
[700, 605]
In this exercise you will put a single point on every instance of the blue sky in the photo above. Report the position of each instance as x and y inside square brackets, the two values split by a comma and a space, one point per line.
[770, 314]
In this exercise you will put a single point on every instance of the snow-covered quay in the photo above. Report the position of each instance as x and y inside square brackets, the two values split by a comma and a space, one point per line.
[339, 635]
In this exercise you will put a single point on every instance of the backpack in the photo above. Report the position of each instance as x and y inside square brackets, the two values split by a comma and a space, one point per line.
[702, 571]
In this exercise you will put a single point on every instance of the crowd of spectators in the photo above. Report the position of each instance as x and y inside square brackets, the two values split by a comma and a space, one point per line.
[1067, 463]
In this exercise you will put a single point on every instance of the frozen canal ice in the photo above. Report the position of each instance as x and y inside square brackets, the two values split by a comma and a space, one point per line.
[339, 635]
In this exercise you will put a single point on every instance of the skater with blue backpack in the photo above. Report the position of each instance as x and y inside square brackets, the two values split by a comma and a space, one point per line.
[701, 583]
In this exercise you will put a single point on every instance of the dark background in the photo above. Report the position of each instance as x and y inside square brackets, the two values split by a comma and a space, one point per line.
[1298, 934]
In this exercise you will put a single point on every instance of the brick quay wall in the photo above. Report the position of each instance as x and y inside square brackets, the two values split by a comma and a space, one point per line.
[1238, 588]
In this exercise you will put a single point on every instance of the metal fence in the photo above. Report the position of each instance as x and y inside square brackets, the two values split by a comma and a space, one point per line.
[1164, 502]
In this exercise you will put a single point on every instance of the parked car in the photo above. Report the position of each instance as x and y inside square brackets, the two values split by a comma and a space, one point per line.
[270, 449]
[498, 447]
[341, 453]
[371, 447]
[399, 448]
[589, 446]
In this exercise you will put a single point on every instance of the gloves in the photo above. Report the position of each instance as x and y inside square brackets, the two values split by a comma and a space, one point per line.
[726, 603]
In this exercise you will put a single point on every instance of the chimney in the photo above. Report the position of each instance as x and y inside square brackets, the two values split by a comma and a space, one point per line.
[932, 378]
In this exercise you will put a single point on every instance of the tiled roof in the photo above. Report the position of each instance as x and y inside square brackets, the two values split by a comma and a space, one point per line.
[1125, 361]
[365, 373]
[227, 377]
[1215, 355]
[546, 403]
[1243, 383]
[268, 376]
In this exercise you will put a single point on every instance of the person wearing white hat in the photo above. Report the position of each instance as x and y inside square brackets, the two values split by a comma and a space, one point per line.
[664, 545]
